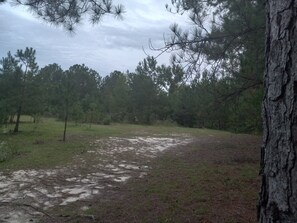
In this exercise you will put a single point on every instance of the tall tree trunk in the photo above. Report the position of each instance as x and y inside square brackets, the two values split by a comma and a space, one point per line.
[278, 197]
[19, 112]
[65, 120]
[20, 108]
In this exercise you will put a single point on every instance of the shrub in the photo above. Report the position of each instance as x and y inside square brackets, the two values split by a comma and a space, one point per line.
[107, 120]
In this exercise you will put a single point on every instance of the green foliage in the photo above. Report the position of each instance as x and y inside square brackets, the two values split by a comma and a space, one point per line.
[70, 13]
[10, 85]
[50, 81]
[143, 97]
[20, 90]
[245, 114]
[77, 113]
[106, 120]
[184, 110]
[114, 94]
[226, 41]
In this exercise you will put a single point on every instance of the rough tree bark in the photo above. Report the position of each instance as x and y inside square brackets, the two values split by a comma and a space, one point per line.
[278, 197]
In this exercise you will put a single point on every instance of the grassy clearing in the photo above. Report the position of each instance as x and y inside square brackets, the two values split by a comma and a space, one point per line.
[39, 145]
[214, 179]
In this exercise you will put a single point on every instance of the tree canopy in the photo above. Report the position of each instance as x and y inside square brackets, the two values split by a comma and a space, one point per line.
[69, 13]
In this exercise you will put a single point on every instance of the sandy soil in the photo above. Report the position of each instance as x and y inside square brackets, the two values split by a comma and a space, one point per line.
[25, 195]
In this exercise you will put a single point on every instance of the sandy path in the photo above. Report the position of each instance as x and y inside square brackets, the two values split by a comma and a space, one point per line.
[26, 193]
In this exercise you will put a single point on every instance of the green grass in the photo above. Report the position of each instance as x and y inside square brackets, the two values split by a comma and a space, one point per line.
[40, 145]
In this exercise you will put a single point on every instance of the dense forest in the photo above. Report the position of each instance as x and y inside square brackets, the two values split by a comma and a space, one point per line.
[221, 88]
[152, 93]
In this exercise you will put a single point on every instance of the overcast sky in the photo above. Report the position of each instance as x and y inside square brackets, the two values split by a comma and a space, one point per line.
[111, 45]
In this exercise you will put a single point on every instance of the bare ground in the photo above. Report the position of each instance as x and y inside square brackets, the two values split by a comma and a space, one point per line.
[175, 178]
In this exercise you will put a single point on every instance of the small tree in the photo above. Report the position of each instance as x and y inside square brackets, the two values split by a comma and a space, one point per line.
[29, 68]
[17, 78]
[10, 85]
[69, 97]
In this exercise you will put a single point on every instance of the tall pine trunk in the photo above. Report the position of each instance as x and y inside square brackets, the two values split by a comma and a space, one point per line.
[17, 123]
[20, 108]
[278, 197]
[65, 119]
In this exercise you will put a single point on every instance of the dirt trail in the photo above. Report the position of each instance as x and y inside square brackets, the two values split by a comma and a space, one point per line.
[27, 194]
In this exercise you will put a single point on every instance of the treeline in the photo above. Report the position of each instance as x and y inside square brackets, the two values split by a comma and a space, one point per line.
[222, 49]
[152, 93]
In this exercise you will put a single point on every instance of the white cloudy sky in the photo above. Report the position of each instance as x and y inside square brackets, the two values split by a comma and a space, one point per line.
[111, 45]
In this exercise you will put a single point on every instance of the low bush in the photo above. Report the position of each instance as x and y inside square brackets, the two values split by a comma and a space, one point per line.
[106, 120]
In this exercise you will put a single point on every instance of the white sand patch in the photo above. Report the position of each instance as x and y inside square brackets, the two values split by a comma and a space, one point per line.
[23, 184]
[129, 166]
[86, 181]
[48, 205]
[95, 191]
[83, 196]
[24, 176]
[84, 208]
[100, 175]
[12, 195]
[42, 190]
[74, 191]
[122, 179]
[16, 217]
[72, 179]
[69, 200]
[142, 174]
[29, 194]
[2, 178]
[142, 146]
[4, 185]
[56, 195]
